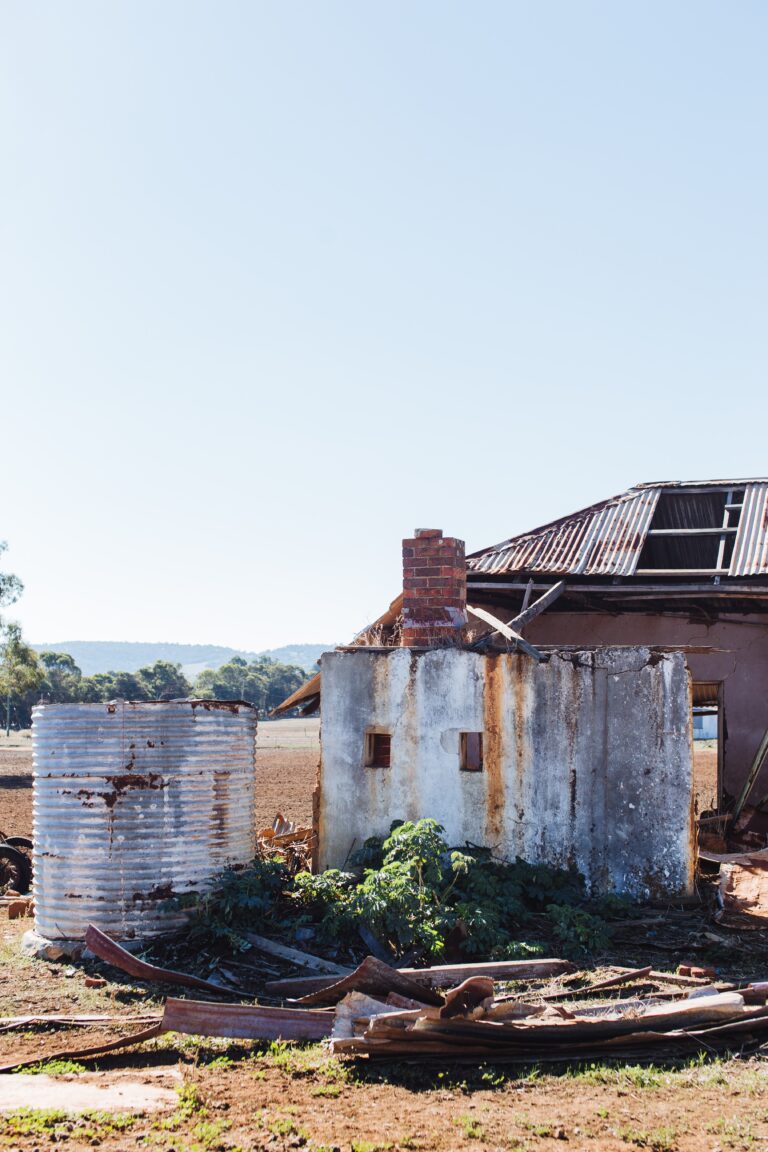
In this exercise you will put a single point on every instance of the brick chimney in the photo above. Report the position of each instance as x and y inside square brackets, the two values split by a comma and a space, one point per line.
[434, 590]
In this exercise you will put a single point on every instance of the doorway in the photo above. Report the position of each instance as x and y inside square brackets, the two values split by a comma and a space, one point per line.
[708, 745]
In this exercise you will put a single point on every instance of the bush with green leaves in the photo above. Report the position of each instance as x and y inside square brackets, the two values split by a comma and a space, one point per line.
[417, 897]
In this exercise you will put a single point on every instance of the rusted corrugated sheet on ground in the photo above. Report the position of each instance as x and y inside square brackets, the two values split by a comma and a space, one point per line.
[750, 554]
[604, 540]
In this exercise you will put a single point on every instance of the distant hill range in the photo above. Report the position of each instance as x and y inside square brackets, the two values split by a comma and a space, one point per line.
[120, 656]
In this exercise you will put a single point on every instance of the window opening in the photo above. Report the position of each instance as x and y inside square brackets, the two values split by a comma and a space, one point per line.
[471, 751]
[378, 749]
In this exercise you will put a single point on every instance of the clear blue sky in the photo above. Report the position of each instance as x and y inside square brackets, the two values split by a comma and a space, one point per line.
[280, 282]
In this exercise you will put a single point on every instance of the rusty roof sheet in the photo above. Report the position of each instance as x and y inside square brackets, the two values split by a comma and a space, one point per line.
[603, 540]
[750, 553]
[606, 539]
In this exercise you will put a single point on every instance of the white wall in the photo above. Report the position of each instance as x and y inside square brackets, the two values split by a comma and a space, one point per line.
[587, 758]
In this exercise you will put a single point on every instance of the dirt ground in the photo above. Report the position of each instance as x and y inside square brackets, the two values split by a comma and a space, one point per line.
[240, 1096]
[288, 753]
[705, 775]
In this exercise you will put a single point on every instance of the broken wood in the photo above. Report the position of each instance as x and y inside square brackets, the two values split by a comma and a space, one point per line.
[107, 949]
[295, 955]
[754, 772]
[508, 633]
[245, 1021]
[625, 977]
[519, 622]
[374, 978]
[439, 976]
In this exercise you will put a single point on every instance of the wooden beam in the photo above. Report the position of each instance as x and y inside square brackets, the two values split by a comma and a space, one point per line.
[754, 772]
[537, 607]
[295, 956]
[630, 586]
[681, 571]
[508, 634]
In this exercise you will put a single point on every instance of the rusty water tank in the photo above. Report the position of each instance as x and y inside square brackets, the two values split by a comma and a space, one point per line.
[136, 802]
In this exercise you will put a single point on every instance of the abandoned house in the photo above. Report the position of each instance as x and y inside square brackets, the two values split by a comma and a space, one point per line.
[572, 744]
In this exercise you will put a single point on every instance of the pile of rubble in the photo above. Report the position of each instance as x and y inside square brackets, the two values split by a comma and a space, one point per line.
[460, 1012]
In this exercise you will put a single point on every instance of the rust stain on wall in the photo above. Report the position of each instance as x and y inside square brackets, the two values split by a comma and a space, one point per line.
[493, 704]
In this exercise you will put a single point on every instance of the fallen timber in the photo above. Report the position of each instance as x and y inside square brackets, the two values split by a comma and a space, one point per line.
[328, 990]
[467, 1023]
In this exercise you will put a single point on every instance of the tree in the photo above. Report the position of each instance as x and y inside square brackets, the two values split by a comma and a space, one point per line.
[20, 675]
[263, 682]
[164, 681]
[10, 586]
[62, 678]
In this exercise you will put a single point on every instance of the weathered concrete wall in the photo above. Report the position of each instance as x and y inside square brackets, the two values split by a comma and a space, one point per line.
[742, 666]
[587, 758]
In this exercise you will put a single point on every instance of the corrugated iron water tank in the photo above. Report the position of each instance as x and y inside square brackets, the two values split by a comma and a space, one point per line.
[136, 802]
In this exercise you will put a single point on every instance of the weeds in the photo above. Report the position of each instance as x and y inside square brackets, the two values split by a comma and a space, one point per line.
[54, 1125]
[53, 1068]
[416, 894]
[471, 1127]
[656, 1139]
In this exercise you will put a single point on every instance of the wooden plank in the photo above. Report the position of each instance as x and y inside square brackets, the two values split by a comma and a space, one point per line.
[633, 586]
[506, 632]
[625, 977]
[439, 976]
[754, 772]
[295, 955]
[245, 1021]
[537, 607]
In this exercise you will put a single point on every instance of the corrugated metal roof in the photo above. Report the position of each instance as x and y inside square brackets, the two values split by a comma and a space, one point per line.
[607, 539]
[604, 540]
[750, 553]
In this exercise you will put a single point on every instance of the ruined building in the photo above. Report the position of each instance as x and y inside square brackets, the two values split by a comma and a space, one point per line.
[571, 743]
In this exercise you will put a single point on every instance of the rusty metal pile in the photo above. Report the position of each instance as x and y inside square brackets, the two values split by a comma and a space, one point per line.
[466, 1012]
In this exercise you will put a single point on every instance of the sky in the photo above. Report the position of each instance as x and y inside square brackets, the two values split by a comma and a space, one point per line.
[281, 282]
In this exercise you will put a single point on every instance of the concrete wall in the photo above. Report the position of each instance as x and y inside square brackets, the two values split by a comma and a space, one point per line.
[587, 758]
[741, 664]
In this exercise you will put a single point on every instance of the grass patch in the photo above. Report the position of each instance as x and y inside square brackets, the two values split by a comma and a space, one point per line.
[53, 1068]
[655, 1139]
[53, 1125]
[471, 1127]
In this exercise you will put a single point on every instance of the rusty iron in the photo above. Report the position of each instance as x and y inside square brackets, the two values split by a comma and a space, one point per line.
[607, 539]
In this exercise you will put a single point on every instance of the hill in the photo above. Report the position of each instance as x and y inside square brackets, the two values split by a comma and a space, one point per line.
[123, 656]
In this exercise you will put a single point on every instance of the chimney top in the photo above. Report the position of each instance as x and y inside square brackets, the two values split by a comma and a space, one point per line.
[421, 532]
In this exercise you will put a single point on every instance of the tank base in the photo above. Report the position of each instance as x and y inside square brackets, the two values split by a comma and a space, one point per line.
[41, 948]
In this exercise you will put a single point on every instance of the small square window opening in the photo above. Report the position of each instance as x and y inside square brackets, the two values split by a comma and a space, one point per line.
[378, 749]
[471, 751]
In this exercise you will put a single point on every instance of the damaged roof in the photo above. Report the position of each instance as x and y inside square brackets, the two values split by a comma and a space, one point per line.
[703, 528]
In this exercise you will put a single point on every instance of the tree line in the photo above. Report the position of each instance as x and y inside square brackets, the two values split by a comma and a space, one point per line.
[28, 677]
